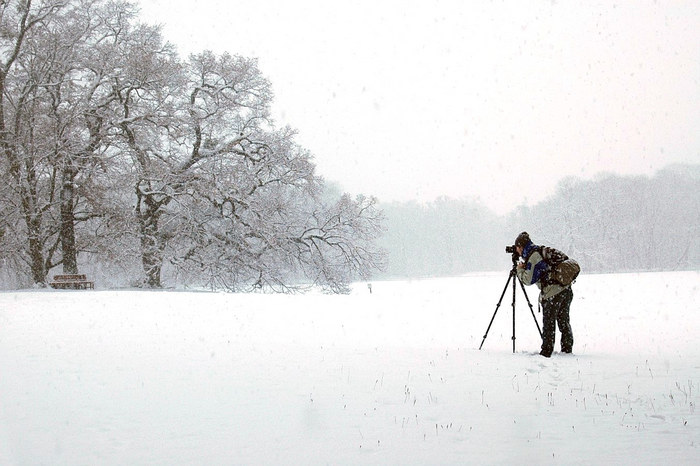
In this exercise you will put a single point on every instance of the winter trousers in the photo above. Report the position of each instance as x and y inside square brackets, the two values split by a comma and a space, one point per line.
[555, 311]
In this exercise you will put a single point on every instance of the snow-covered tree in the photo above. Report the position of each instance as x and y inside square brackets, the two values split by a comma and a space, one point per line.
[30, 181]
[222, 193]
[108, 137]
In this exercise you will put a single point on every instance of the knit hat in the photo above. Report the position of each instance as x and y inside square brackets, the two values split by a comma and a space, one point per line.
[522, 240]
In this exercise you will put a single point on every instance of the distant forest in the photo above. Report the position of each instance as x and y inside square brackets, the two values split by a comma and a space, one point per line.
[611, 223]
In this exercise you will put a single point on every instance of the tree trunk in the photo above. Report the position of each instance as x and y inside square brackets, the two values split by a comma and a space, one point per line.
[33, 220]
[35, 251]
[151, 245]
[70, 255]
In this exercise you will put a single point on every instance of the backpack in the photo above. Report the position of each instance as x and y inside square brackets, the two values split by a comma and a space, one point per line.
[562, 269]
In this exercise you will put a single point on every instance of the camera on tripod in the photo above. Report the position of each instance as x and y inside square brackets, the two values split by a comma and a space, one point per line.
[514, 254]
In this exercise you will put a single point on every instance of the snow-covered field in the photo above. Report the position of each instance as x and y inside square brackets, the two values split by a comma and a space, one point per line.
[391, 377]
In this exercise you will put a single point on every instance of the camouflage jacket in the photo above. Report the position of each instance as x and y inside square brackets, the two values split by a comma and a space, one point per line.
[535, 272]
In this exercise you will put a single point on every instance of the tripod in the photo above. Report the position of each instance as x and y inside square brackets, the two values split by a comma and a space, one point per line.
[512, 276]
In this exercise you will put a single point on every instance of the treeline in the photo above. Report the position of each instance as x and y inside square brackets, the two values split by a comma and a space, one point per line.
[609, 224]
[120, 159]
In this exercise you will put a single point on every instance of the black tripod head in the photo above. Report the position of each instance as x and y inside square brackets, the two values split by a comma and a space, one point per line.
[514, 257]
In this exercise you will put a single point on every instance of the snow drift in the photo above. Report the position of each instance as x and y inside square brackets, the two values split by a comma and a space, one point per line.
[388, 377]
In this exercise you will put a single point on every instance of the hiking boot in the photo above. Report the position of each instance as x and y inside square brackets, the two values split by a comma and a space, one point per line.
[546, 355]
[567, 351]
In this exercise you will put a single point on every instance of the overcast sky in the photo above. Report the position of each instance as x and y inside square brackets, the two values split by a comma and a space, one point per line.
[495, 101]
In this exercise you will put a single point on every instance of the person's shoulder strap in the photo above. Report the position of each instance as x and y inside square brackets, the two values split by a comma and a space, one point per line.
[532, 250]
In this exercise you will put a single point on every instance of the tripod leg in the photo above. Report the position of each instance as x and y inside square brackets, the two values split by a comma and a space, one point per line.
[514, 280]
[531, 310]
[497, 306]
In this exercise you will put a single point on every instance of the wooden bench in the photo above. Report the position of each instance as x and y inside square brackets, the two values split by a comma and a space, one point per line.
[72, 282]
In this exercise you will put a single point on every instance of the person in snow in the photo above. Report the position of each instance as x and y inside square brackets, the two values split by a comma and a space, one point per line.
[554, 297]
